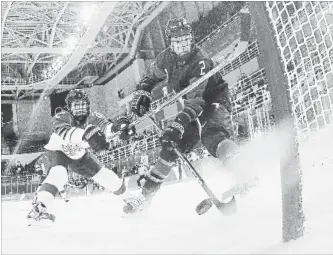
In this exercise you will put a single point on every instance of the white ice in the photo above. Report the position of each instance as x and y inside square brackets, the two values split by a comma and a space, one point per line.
[95, 224]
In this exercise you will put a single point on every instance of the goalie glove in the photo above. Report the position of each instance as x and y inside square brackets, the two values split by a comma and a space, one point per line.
[122, 124]
[141, 102]
[95, 138]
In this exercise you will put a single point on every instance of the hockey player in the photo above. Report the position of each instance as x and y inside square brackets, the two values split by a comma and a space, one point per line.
[206, 112]
[76, 134]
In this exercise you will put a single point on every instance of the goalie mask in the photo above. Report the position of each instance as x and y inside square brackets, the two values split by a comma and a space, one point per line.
[78, 104]
[180, 38]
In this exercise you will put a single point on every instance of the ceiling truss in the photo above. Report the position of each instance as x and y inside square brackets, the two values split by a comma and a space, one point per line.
[36, 34]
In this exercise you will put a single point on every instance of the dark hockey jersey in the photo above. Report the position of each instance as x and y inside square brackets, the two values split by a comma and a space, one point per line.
[180, 75]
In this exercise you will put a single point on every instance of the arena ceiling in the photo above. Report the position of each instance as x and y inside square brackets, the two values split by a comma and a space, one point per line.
[54, 45]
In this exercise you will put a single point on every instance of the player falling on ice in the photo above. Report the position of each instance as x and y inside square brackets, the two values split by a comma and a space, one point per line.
[76, 133]
[206, 112]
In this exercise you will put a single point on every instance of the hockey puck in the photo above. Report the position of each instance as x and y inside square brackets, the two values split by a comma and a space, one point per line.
[204, 206]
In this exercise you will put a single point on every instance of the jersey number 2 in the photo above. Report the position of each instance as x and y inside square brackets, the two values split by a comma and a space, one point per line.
[203, 67]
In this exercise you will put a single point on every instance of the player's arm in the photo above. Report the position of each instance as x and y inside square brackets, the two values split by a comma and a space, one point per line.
[99, 120]
[109, 128]
[154, 74]
[142, 97]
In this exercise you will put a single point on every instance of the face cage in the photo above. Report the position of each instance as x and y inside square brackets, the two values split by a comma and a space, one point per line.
[79, 108]
[181, 45]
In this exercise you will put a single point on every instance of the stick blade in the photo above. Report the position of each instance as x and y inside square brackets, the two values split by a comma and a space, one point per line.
[228, 208]
[225, 208]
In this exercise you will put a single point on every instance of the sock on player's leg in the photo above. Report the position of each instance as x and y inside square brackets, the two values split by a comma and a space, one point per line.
[109, 180]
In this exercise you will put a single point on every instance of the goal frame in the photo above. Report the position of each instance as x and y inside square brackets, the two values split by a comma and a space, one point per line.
[290, 170]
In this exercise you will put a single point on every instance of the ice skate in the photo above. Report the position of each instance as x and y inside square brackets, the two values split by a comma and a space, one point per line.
[134, 205]
[140, 202]
[39, 215]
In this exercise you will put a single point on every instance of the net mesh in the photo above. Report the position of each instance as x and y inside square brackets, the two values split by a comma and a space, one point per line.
[251, 104]
[304, 34]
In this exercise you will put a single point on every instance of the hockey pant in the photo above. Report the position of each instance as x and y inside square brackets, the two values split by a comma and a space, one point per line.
[87, 166]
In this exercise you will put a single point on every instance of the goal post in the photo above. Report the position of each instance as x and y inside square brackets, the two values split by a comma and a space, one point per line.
[292, 211]
[296, 48]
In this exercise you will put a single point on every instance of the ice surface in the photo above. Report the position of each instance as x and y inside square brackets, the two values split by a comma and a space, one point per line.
[96, 225]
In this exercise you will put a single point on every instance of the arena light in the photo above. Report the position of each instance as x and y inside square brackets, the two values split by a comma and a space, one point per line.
[58, 62]
[70, 45]
[87, 12]
[85, 15]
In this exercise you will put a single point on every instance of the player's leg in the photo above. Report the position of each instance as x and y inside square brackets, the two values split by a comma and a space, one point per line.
[217, 132]
[163, 166]
[217, 138]
[50, 187]
[154, 179]
[90, 167]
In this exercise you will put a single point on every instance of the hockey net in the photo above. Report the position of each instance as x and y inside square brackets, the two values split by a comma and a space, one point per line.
[251, 105]
[304, 35]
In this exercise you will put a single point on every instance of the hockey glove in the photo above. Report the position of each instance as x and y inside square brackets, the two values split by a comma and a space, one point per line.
[95, 138]
[122, 124]
[172, 136]
[141, 102]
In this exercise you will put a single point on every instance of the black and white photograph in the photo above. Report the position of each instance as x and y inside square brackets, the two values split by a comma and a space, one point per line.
[166, 127]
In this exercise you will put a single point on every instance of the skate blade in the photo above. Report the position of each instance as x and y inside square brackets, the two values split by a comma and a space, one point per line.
[229, 207]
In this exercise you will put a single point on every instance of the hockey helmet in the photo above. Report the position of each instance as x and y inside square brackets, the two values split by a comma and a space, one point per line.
[179, 35]
[78, 103]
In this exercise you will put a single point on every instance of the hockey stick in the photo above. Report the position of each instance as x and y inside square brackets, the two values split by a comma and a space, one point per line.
[175, 97]
[205, 205]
